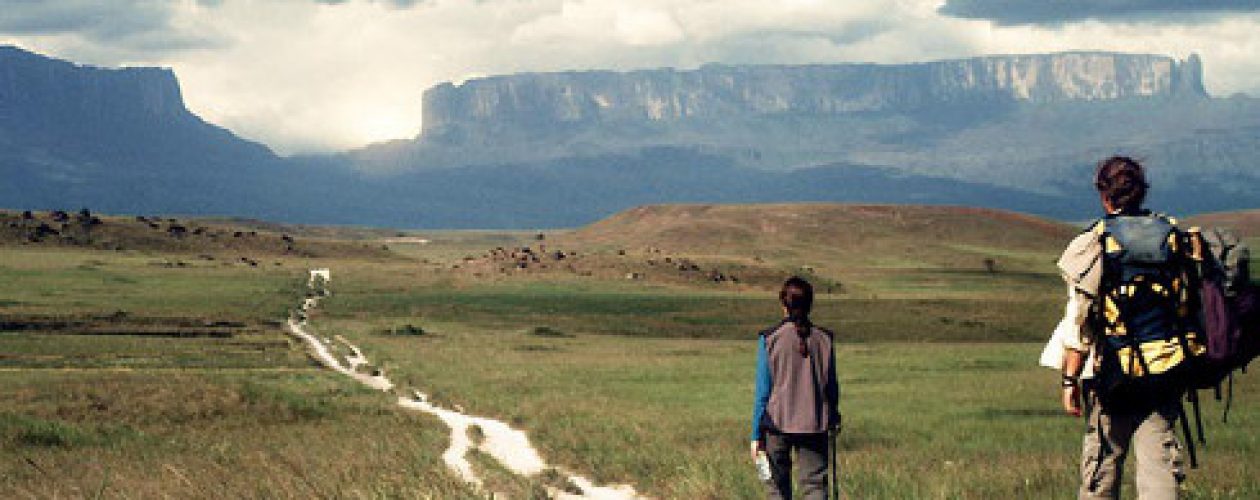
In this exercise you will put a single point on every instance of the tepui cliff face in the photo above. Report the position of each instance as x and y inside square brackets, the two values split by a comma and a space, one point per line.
[719, 92]
[37, 89]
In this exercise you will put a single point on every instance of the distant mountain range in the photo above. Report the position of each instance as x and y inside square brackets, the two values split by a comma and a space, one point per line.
[564, 149]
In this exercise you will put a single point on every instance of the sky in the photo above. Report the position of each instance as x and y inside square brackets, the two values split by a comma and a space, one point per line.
[310, 76]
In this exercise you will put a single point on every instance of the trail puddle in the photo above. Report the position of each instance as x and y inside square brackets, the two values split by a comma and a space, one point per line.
[510, 447]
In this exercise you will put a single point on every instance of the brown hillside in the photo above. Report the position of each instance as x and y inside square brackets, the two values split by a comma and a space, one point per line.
[169, 235]
[878, 235]
[1245, 222]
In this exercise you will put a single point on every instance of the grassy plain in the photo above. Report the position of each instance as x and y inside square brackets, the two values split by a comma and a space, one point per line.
[669, 412]
[142, 412]
[646, 381]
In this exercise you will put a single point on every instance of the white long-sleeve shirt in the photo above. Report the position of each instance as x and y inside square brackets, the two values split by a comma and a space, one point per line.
[1069, 333]
[1082, 272]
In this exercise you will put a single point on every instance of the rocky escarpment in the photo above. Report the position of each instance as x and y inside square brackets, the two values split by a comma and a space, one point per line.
[119, 140]
[719, 91]
[39, 90]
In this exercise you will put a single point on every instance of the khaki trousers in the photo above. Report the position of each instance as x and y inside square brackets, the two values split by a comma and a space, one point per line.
[1150, 434]
[811, 465]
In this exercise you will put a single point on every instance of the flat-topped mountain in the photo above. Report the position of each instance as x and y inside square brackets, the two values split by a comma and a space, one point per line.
[120, 110]
[118, 139]
[715, 92]
[36, 88]
[565, 149]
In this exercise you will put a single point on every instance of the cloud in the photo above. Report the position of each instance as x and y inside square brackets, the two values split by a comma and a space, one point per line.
[1010, 12]
[307, 76]
[401, 4]
[107, 32]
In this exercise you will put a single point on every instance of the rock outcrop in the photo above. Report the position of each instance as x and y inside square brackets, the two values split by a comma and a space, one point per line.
[719, 91]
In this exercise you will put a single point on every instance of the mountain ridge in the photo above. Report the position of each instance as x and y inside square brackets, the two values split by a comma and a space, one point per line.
[134, 147]
[716, 90]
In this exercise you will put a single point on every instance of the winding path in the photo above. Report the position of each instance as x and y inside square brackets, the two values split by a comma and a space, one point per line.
[510, 447]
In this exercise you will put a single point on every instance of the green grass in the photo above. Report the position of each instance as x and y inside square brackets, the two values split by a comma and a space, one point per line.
[671, 415]
[139, 414]
[648, 383]
[654, 387]
[129, 435]
[71, 281]
[664, 312]
[60, 350]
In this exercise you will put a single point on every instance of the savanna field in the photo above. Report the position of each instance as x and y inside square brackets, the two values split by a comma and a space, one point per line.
[140, 363]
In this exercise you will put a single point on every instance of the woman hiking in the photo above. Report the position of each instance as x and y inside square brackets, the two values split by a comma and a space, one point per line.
[1126, 276]
[797, 396]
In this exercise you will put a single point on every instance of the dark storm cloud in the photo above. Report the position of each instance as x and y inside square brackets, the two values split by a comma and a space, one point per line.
[127, 25]
[25, 17]
[1061, 11]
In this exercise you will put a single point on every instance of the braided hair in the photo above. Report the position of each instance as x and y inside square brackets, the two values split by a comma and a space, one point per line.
[797, 297]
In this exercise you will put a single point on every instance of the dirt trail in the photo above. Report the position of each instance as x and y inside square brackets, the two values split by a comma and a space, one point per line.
[510, 447]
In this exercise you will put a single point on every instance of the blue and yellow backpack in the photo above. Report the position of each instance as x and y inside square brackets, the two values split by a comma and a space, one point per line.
[1149, 338]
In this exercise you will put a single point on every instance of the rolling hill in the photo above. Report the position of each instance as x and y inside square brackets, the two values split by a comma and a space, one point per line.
[838, 236]
[1245, 222]
[227, 242]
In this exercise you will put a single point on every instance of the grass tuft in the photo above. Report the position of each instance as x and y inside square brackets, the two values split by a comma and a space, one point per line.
[547, 331]
[407, 330]
[476, 434]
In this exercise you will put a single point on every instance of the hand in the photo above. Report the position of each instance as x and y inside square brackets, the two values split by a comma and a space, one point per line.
[758, 446]
[837, 425]
[1072, 400]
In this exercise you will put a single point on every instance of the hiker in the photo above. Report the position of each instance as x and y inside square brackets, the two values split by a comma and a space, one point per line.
[1127, 278]
[796, 404]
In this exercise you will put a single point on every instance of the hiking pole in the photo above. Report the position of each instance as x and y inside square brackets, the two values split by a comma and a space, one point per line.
[1198, 415]
[1185, 429]
[835, 479]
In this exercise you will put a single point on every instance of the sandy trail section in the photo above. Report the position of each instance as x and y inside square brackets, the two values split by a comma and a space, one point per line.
[510, 447]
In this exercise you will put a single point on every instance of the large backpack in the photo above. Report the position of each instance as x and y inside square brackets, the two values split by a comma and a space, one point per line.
[1231, 256]
[1150, 345]
[1230, 307]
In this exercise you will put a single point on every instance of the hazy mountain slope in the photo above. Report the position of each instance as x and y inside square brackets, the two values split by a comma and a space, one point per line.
[120, 140]
[579, 190]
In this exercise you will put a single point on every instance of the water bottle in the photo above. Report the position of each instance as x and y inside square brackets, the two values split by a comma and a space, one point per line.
[763, 467]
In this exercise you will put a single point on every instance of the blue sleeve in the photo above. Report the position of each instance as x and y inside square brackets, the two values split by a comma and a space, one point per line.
[762, 396]
[833, 387]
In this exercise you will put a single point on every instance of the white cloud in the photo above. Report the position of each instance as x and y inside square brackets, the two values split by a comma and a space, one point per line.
[302, 75]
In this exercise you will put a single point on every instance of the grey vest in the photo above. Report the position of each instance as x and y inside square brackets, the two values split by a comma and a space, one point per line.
[798, 400]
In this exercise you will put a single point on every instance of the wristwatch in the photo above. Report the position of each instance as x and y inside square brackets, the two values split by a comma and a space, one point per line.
[1070, 381]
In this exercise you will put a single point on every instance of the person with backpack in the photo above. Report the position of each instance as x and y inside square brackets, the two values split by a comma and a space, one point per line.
[1132, 338]
[796, 406]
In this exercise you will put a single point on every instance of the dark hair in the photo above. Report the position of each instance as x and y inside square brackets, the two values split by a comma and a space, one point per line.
[797, 296]
[1122, 182]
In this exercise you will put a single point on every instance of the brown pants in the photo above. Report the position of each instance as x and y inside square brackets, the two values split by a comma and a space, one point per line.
[1149, 434]
[811, 465]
